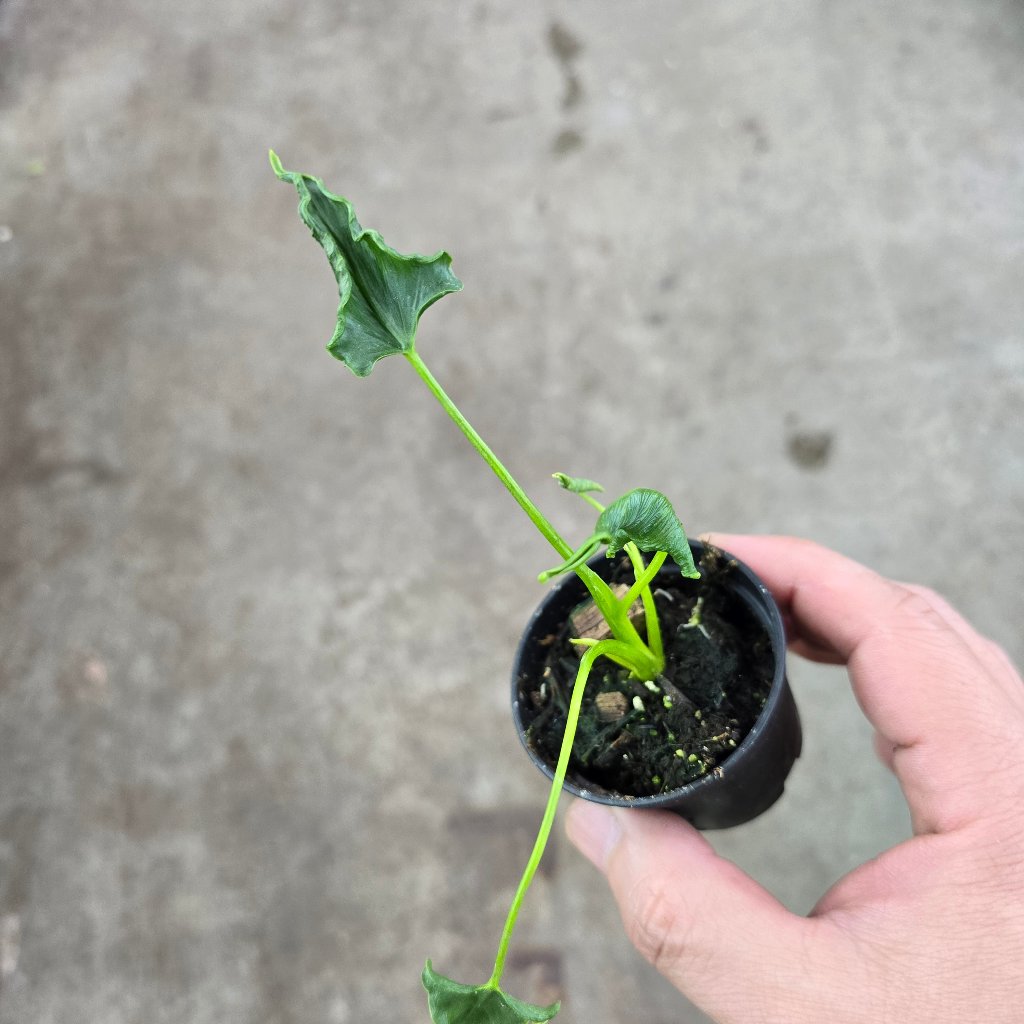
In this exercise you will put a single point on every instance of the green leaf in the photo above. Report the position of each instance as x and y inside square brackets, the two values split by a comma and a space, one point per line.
[452, 1003]
[646, 518]
[382, 292]
[578, 558]
[576, 484]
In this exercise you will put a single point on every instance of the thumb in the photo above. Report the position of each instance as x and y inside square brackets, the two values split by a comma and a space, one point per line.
[716, 934]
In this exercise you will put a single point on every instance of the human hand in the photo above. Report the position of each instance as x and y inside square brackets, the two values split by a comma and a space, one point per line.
[933, 929]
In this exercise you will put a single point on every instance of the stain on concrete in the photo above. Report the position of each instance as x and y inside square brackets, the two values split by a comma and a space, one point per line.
[199, 69]
[564, 45]
[567, 141]
[809, 449]
[755, 131]
[142, 811]
[19, 834]
[85, 472]
[498, 115]
[566, 48]
[19, 386]
[573, 91]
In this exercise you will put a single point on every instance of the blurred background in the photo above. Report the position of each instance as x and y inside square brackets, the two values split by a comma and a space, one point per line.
[256, 759]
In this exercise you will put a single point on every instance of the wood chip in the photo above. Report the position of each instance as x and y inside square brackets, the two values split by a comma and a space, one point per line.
[611, 706]
[675, 694]
[588, 622]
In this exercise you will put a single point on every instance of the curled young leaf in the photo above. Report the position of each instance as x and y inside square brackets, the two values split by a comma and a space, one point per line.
[577, 484]
[579, 557]
[646, 518]
[452, 1003]
[382, 292]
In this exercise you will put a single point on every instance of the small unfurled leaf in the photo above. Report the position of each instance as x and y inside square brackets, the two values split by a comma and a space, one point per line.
[452, 1003]
[646, 518]
[577, 484]
[382, 292]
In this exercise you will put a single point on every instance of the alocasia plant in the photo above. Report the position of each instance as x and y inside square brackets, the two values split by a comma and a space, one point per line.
[382, 294]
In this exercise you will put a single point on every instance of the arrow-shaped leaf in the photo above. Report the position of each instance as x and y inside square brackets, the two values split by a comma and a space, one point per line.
[646, 518]
[452, 1003]
[382, 292]
[643, 516]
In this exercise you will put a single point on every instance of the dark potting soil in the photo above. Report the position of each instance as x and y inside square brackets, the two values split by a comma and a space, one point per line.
[641, 739]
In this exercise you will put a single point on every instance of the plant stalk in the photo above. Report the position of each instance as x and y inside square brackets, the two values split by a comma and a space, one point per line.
[647, 664]
[644, 578]
[549, 533]
[571, 721]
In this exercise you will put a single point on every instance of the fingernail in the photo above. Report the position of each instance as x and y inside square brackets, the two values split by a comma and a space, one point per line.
[594, 830]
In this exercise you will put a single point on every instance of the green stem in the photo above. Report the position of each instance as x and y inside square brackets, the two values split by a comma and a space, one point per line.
[644, 578]
[646, 663]
[617, 650]
[571, 721]
[642, 661]
[546, 529]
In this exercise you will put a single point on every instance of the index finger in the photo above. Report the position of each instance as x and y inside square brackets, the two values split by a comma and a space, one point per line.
[918, 680]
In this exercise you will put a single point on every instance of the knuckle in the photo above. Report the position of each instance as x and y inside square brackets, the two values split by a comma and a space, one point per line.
[918, 611]
[917, 602]
[658, 926]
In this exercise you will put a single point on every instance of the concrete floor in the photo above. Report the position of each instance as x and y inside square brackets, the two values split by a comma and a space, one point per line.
[767, 258]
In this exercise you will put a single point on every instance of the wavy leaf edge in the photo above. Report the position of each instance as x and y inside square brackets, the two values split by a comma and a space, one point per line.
[441, 989]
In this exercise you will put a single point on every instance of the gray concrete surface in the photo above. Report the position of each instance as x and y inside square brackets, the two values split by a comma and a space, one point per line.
[765, 257]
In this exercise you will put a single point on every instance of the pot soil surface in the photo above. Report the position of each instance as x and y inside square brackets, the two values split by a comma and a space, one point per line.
[641, 739]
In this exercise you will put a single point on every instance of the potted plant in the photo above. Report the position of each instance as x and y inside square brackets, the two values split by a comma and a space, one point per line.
[655, 682]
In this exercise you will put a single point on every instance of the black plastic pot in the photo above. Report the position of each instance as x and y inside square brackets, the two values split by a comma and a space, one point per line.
[744, 784]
